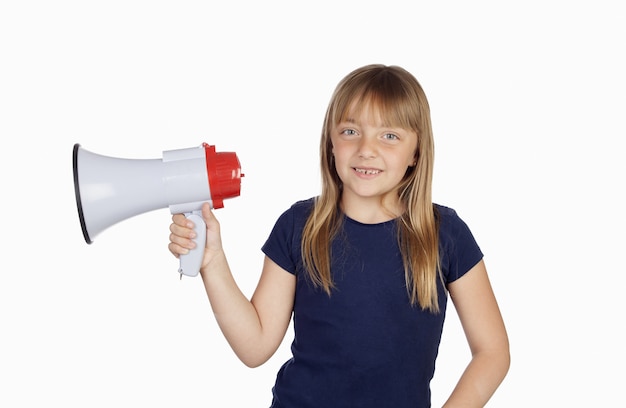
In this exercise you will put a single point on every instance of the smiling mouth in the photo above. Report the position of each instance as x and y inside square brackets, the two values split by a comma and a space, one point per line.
[366, 171]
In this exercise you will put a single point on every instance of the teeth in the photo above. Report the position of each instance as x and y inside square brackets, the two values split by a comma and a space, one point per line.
[364, 171]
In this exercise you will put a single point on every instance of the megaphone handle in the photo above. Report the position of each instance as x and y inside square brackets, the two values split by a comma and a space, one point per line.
[191, 262]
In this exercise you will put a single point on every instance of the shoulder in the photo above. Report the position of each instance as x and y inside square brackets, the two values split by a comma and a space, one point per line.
[283, 244]
[299, 210]
[303, 206]
[452, 228]
[296, 215]
[448, 219]
[459, 249]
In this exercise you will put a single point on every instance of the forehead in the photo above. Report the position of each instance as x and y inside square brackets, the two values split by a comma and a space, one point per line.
[363, 113]
[372, 110]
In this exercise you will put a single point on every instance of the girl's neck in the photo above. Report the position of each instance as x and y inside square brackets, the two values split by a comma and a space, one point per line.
[373, 210]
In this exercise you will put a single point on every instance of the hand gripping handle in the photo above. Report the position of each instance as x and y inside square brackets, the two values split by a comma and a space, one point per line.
[191, 262]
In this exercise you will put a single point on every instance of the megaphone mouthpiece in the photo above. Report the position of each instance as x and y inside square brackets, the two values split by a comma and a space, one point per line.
[224, 174]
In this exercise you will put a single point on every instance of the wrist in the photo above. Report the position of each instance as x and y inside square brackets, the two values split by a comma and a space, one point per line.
[214, 261]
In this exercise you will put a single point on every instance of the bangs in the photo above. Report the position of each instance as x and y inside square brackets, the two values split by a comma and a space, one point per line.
[385, 97]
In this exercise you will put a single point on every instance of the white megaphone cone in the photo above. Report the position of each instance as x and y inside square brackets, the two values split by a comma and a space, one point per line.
[109, 189]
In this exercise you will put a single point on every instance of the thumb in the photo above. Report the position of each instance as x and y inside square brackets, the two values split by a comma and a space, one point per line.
[213, 238]
[207, 214]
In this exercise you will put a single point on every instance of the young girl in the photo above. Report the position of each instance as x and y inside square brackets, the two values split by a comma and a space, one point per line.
[364, 268]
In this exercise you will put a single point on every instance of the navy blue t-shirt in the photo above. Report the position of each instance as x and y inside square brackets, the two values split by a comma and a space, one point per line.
[365, 345]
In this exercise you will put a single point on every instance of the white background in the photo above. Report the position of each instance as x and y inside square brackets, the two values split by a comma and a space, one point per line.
[527, 100]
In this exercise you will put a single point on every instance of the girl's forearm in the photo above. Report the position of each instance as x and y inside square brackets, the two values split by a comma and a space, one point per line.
[235, 314]
[480, 380]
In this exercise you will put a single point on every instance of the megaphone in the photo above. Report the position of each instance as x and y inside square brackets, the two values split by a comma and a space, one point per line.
[109, 189]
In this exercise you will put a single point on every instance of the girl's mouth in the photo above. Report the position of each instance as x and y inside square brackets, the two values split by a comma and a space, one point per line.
[366, 171]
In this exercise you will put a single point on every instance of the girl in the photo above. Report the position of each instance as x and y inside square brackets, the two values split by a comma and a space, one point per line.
[365, 268]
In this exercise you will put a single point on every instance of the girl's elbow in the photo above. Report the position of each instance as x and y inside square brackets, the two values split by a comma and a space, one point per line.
[506, 360]
[252, 360]
[501, 352]
[501, 360]
[252, 363]
[506, 353]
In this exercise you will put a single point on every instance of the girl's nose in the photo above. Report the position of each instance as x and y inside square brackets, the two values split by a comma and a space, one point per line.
[367, 148]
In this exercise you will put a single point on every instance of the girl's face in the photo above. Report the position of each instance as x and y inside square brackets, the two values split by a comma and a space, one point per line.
[371, 157]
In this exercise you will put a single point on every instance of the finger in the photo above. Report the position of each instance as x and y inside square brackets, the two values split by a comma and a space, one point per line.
[182, 231]
[209, 218]
[207, 213]
[180, 245]
[182, 239]
[177, 250]
[180, 219]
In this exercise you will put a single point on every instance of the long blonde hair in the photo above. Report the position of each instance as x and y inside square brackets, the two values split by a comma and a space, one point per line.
[402, 102]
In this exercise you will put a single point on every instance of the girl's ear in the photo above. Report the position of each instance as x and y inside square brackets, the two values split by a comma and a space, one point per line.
[415, 159]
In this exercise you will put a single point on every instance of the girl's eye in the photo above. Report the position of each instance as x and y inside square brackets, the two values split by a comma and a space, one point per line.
[390, 136]
[349, 132]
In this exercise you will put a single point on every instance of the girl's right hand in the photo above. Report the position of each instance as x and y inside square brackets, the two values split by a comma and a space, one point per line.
[182, 235]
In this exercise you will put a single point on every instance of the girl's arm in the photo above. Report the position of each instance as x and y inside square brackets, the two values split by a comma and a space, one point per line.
[484, 329]
[254, 328]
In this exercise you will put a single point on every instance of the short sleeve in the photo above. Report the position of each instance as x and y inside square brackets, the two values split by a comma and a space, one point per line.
[283, 244]
[459, 251]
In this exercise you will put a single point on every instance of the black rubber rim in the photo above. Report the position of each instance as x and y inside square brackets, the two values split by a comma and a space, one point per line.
[79, 205]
